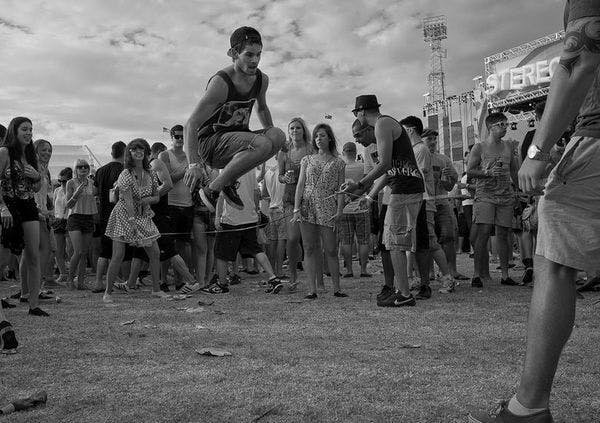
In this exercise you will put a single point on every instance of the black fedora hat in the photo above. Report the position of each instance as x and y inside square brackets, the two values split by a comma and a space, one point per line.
[367, 101]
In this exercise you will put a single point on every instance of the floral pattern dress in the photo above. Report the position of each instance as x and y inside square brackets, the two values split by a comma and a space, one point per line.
[141, 231]
[323, 180]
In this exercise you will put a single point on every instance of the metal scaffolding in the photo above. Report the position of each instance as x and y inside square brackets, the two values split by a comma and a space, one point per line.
[434, 32]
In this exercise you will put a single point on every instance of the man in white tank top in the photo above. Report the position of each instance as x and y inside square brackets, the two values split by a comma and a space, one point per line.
[181, 210]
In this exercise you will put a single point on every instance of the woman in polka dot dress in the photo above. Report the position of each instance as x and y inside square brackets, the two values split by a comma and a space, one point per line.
[130, 222]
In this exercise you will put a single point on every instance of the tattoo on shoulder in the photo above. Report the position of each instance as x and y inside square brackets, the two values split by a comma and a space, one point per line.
[582, 36]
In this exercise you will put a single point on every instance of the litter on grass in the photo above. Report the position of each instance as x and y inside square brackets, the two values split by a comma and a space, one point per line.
[194, 310]
[219, 312]
[410, 346]
[128, 322]
[213, 352]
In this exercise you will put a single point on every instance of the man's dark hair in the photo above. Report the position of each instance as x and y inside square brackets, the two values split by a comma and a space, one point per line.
[117, 150]
[413, 122]
[176, 128]
[2, 133]
[539, 109]
[494, 118]
[66, 173]
[157, 147]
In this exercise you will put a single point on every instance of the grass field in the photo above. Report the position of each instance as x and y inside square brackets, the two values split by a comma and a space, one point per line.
[329, 360]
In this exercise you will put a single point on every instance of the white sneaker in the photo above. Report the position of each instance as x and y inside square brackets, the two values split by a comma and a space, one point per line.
[107, 299]
[447, 284]
[190, 289]
[160, 294]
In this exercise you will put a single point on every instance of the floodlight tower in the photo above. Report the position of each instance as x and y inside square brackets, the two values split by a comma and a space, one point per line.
[434, 31]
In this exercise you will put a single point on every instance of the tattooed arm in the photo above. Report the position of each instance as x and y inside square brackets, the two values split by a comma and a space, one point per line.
[571, 82]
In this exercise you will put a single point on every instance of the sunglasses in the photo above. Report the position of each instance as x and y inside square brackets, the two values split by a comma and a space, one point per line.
[501, 124]
[355, 112]
[177, 137]
[82, 166]
[137, 147]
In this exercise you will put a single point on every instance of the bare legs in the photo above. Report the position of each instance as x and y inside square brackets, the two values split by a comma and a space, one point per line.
[264, 147]
[81, 242]
[551, 317]
[293, 250]
[30, 262]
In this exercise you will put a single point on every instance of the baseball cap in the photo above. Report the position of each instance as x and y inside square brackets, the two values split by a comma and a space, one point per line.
[244, 33]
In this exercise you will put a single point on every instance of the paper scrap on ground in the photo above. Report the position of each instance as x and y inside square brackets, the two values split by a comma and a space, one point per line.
[214, 352]
[179, 297]
[219, 312]
[295, 302]
[194, 310]
[128, 322]
[408, 346]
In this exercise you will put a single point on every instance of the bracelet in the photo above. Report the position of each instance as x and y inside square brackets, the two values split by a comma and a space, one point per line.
[368, 197]
[193, 165]
[296, 210]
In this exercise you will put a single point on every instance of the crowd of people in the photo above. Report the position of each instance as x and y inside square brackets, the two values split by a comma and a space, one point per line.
[211, 199]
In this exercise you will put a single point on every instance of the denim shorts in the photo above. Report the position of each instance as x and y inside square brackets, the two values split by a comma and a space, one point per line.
[218, 149]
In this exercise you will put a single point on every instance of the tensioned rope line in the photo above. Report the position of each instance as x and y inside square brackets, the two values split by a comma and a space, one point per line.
[258, 225]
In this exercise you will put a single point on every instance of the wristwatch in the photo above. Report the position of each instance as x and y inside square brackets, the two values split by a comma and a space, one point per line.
[534, 153]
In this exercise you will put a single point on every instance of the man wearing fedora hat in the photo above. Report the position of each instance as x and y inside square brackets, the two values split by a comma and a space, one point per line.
[397, 162]
[217, 132]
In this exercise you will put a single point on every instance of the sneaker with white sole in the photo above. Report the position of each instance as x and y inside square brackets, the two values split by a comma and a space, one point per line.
[190, 289]
[107, 299]
[274, 286]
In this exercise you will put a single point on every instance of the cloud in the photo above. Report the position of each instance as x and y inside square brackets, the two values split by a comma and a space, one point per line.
[96, 71]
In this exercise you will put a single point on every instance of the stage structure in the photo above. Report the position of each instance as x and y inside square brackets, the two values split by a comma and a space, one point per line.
[435, 30]
[514, 82]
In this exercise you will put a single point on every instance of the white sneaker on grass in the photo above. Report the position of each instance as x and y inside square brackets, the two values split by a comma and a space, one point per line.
[107, 299]
[160, 294]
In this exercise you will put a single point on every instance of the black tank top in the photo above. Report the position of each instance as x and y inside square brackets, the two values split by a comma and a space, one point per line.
[162, 207]
[404, 177]
[234, 114]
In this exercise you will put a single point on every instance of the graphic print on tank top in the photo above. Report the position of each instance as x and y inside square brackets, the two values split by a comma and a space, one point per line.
[234, 114]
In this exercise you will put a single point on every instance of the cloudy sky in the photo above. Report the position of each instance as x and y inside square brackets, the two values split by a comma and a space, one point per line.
[97, 71]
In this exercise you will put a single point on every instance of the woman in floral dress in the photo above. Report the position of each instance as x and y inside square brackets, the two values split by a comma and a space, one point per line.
[130, 221]
[318, 207]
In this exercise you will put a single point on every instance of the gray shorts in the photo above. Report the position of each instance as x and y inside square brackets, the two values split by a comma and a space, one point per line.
[218, 149]
[569, 211]
[493, 214]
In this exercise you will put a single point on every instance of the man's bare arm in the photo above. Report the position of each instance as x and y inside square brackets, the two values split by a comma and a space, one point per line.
[262, 110]
[215, 96]
[166, 184]
[473, 166]
[385, 139]
[571, 81]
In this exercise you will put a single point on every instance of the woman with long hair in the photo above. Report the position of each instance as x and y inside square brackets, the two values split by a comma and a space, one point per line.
[130, 221]
[43, 150]
[19, 181]
[288, 161]
[59, 225]
[318, 207]
[81, 203]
